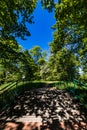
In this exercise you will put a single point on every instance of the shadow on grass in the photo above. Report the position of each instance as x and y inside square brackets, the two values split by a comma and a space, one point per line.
[57, 109]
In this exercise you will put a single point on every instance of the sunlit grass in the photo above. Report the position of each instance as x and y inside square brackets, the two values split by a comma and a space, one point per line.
[12, 89]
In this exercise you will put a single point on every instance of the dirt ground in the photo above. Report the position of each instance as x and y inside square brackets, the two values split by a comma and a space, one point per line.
[44, 109]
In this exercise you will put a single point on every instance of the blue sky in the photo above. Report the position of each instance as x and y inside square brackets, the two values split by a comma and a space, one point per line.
[41, 32]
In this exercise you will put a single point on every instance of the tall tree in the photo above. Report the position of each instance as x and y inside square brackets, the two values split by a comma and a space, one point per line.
[70, 30]
[27, 66]
[38, 56]
[13, 18]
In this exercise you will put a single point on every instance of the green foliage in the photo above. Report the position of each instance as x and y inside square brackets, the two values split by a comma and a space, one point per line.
[45, 71]
[68, 48]
[36, 53]
[38, 56]
[13, 17]
[14, 67]
[63, 65]
[72, 24]
[83, 77]
[28, 66]
[48, 4]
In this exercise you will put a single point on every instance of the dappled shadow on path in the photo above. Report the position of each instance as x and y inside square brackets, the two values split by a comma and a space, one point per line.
[52, 109]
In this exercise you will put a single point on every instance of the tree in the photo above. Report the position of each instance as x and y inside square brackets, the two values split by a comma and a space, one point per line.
[63, 65]
[36, 53]
[27, 66]
[70, 32]
[38, 56]
[9, 56]
[13, 17]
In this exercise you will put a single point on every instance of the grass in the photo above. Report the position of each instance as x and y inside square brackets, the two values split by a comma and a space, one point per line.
[9, 91]
[6, 86]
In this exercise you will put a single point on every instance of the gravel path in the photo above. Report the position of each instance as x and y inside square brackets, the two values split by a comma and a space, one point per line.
[44, 109]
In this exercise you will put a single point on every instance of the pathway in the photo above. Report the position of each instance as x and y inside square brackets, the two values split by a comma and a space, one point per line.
[44, 109]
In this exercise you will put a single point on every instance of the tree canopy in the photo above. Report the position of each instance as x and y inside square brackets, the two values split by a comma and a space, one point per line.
[68, 50]
[13, 17]
[70, 33]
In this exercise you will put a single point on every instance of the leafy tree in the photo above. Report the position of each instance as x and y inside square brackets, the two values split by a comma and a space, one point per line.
[14, 15]
[70, 33]
[38, 56]
[13, 18]
[9, 56]
[27, 66]
[64, 65]
[36, 53]
[45, 71]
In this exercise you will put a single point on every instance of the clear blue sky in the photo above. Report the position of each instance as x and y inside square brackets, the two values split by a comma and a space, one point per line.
[41, 32]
